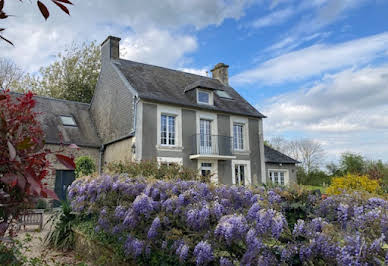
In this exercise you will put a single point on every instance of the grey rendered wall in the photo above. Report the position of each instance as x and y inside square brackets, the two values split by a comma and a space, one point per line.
[254, 142]
[112, 105]
[149, 138]
[290, 167]
[224, 167]
[188, 130]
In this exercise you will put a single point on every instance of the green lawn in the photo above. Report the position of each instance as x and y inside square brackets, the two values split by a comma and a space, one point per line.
[322, 189]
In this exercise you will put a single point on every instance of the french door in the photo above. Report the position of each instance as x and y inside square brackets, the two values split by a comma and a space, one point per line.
[205, 137]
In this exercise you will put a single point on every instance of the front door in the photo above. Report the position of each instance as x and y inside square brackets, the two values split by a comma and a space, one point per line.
[205, 137]
[63, 180]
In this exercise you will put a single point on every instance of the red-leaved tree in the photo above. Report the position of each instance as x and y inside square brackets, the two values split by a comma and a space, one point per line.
[23, 160]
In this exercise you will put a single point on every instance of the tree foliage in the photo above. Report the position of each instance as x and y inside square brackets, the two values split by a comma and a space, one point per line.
[10, 74]
[42, 8]
[309, 152]
[84, 166]
[72, 77]
[23, 160]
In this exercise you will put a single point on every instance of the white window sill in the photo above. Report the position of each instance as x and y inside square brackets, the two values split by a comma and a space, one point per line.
[169, 148]
[241, 152]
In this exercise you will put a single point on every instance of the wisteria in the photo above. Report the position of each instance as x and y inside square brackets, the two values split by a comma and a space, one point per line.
[199, 224]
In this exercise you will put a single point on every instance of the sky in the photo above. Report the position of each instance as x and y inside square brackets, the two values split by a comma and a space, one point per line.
[317, 69]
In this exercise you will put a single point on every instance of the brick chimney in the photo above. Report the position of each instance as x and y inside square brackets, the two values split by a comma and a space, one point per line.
[110, 49]
[220, 72]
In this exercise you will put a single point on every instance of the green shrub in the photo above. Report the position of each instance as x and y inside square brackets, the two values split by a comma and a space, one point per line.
[151, 168]
[314, 178]
[61, 235]
[84, 166]
[41, 204]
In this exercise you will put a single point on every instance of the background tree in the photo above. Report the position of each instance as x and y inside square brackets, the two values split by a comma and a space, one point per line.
[352, 163]
[309, 152]
[72, 77]
[42, 8]
[10, 74]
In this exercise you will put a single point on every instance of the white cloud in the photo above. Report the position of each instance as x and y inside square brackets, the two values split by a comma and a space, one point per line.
[274, 18]
[202, 72]
[158, 47]
[347, 111]
[315, 60]
[142, 22]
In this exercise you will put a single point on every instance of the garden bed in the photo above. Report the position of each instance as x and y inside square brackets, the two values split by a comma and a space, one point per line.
[94, 251]
[154, 222]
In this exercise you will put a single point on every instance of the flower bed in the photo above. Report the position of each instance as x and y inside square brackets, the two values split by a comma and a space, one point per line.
[189, 222]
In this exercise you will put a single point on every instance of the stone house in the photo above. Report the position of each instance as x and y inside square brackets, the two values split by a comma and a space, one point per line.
[143, 112]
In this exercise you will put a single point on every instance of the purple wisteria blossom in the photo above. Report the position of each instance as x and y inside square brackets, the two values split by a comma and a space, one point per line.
[203, 253]
[231, 228]
[153, 231]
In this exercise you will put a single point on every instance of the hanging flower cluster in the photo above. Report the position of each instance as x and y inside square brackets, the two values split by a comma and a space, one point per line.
[201, 224]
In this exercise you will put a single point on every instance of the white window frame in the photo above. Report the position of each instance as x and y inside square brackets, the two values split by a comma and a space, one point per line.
[278, 171]
[210, 93]
[168, 116]
[244, 122]
[247, 171]
[239, 136]
[170, 111]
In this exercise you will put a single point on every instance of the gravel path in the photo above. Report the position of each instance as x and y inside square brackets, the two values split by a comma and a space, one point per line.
[37, 249]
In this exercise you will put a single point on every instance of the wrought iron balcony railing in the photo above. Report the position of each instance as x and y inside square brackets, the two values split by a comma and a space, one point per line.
[204, 144]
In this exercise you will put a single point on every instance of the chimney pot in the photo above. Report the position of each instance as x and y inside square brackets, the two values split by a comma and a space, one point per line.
[110, 48]
[220, 72]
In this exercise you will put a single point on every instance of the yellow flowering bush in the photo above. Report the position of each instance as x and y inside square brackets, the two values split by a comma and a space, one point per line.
[351, 182]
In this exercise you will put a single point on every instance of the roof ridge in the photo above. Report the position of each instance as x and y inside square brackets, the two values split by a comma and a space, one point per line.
[281, 153]
[171, 69]
[51, 98]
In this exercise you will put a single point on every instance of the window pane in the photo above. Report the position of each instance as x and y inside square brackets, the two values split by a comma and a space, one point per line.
[203, 97]
[276, 178]
[163, 130]
[68, 121]
[223, 94]
[282, 178]
[242, 175]
[238, 137]
[236, 178]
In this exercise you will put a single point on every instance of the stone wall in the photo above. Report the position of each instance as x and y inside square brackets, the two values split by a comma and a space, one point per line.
[112, 106]
[119, 151]
[56, 165]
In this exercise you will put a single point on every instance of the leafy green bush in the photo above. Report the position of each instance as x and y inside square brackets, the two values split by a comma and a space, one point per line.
[151, 168]
[314, 178]
[41, 204]
[61, 235]
[84, 166]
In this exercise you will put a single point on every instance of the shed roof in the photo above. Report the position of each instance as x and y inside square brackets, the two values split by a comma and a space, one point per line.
[171, 86]
[50, 111]
[273, 156]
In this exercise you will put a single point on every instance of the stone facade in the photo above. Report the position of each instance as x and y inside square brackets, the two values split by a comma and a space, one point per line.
[56, 165]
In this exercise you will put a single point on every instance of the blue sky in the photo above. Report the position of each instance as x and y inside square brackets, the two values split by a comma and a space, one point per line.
[316, 68]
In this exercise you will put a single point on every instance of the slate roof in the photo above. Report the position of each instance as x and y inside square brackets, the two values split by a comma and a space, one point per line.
[274, 156]
[50, 110]
[171, 86]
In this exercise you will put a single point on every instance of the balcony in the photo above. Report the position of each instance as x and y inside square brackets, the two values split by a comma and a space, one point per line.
[212, 147]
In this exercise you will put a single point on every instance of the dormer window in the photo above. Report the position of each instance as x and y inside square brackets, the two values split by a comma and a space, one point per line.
[204, 97]
[68, 121]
